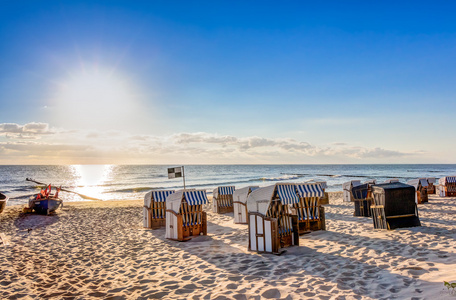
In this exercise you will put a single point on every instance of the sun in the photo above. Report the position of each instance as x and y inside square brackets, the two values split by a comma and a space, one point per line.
[95, 87]
[94, 97]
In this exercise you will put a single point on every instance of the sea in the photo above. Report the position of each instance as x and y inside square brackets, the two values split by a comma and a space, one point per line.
[132, 182]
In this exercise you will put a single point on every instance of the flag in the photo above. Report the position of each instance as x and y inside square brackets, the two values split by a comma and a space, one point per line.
[174, 172]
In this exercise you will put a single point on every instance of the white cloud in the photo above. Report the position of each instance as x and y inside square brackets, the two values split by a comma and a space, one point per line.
[199, 147]
[28, 131]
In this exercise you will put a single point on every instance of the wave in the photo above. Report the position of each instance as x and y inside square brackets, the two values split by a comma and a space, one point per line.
[206, 184]
[281, 178]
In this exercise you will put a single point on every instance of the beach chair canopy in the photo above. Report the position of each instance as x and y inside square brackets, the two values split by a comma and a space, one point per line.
[260, 199]
[447, 179]
[310, 190]
[193, 197]
[223, 190]
[160, 196]
[323, 184]
[372, 181]
[391, 180]
[417, 182]
[157, 196]
[360, 191]
[424, 182]
[430, 179]
[349, 184]
[240, 195]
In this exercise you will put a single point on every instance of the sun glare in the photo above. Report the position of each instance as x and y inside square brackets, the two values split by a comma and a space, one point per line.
[94, 97]
[90, 179]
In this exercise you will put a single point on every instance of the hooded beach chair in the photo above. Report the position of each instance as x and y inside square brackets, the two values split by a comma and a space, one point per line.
[154, 210]
[362, 198]
[310, 213]
[447, 186]
[431, 185]
[271, 223]
[184, 214]
[347, 186]
[222, 199]
[420, 186]
[394, 206]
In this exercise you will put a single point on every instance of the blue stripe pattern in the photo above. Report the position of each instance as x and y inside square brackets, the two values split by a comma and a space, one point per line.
[226, 190]
[314, 213]
[195, 197]
[310, 190]
[451, 179]
[287, 194]
[160, 196]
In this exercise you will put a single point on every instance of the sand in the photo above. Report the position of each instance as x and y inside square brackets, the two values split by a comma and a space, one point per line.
[94, 250]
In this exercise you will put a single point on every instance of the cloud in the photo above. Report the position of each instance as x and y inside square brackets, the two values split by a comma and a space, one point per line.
[27, 131]
[243, 144]
[75, 146]
[31, 148]
[380, 153]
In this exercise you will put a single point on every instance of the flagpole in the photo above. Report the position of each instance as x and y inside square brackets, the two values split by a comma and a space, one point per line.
[183, 176]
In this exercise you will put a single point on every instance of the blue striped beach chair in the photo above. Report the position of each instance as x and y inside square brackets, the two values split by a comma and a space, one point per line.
[309, 210]
[185, 216]
[154, 210]
[222, 199]
[272, 226]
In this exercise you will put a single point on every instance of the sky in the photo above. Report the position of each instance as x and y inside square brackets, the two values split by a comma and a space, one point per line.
[227, 82]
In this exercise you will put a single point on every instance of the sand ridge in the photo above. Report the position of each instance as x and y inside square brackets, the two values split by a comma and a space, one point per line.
[99, 249]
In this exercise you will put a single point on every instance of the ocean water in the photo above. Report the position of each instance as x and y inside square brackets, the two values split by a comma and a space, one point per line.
[116, 182]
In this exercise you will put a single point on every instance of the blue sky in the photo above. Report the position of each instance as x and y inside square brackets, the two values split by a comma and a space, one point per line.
[227, 82]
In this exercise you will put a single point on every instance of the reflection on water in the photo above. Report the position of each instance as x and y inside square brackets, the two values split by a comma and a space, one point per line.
[90, 180]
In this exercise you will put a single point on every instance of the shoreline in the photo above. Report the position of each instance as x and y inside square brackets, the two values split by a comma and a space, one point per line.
[99, 249]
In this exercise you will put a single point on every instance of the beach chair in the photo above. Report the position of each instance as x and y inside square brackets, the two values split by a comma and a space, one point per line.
[240, 204]
[154, 210]
[222, 199]
[362, 198]
[420, 186]
[447, 186]
[185, 217]
[325, 198]
[310, 213]
[394, 206]
[347, 186]
[431, 185]
[271, 224]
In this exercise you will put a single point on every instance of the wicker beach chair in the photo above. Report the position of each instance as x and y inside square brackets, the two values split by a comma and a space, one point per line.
[447, 186]
[222, 199]
[185, 216]
[271, 223]
[394, 206]
[154, 210]
[362, 197]
[420, 186]
[311, 215]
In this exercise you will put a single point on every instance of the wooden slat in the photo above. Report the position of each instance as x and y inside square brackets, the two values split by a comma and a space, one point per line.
[400, 216]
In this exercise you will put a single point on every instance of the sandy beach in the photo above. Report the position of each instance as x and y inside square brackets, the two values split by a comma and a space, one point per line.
[99, 249]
